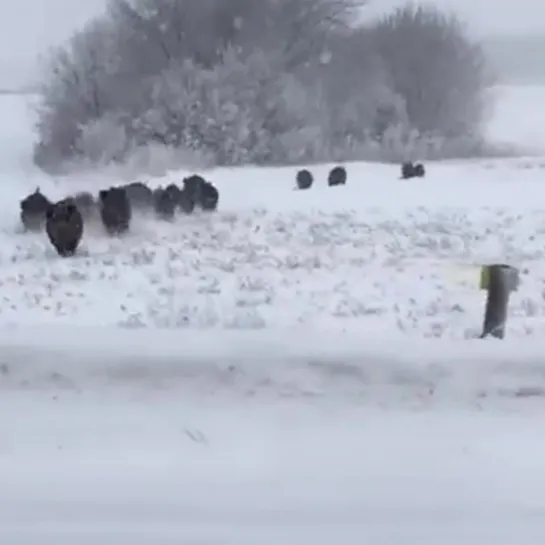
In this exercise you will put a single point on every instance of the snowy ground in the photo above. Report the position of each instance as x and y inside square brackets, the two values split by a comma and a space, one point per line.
[315, 377]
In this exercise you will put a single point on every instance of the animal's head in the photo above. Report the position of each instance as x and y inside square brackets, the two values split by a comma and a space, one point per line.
[68, 206]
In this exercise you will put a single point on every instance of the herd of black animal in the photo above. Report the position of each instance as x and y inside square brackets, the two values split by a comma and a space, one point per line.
[337, 175]
[64, 220]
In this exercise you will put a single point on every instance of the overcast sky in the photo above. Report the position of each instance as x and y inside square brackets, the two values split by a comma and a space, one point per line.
[29, 27]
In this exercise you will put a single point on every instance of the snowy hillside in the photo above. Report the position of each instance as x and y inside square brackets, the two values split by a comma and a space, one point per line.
[298, 368]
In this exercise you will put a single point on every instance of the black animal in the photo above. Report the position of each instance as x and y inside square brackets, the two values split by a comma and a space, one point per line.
[410, 170]
[304, 179]
[86, 204]
[209, 197]
[64, 226]
[166, 202]
[407, 170]
[140, 196]
[337, 176]
[194, 186]
[174, 191]
[419, 170]
[201, 193]
[186, 202]
[115, 210]
[33, 210]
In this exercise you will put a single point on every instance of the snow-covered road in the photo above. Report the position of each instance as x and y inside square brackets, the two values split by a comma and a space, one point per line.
[239, 438]
[77, 471]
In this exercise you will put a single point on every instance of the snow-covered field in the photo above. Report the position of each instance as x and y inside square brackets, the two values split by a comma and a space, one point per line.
[297, 368]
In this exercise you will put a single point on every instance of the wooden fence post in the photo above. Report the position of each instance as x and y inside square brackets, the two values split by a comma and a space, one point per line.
[499, 281]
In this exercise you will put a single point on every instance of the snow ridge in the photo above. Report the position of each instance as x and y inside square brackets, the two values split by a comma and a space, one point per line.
[271, 364]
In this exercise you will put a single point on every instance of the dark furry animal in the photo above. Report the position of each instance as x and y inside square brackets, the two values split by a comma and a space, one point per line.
[166, 202]
[140, 195]
[33, 210]
[209, 197]
[194, 185]
[64, 226]
[184, 199]
[186, 202]
[304, 179]
[115, 210]
[193, 182]
[407, 171]
[410, 170]
[419, 170]
[201, 193]
[86, 204]
[337, 176]
[173, 191]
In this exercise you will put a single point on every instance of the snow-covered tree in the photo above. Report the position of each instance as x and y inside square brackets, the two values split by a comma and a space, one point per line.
[273, 81]
[73, 91]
